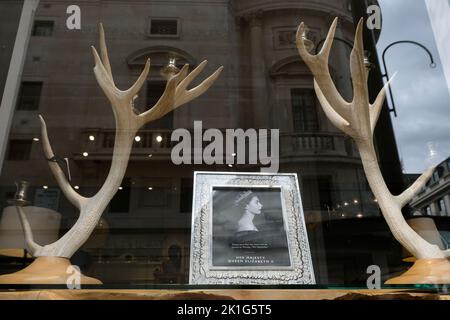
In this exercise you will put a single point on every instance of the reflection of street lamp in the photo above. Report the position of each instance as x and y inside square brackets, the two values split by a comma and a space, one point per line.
[308, 43]
[367, 63]
[319, 44]
[386, 75]
[171, 69]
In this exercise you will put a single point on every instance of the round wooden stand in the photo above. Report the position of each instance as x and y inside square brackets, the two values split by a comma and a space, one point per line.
[47, 270]
[432, 271]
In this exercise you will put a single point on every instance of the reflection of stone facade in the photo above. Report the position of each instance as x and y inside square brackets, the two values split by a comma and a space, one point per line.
[254, 41]
[434, 198]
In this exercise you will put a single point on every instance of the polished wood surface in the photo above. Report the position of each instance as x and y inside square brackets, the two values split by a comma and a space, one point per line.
[425, 271]
[46, 270]
[221, 294]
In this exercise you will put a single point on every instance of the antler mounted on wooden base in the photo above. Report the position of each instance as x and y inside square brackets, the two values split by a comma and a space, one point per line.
[358, 119]
[128, 123]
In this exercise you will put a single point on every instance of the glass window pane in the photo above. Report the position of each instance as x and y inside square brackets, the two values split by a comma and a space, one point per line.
[142, 233]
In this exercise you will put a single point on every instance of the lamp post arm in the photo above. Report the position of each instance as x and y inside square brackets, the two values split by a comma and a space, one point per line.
[386, 74]
[348, 43]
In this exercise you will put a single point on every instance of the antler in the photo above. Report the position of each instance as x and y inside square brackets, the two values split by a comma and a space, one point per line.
[358, 119]
[127, 124]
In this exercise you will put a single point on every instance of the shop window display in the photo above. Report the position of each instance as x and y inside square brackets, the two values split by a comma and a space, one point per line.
[144, 234]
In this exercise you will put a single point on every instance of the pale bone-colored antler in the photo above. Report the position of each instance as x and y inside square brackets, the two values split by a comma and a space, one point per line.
[127, 124]
[358, 119]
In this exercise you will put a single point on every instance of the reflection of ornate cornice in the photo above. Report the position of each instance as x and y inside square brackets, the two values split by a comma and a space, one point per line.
[280, 68]
[244, 7]
[254, 19]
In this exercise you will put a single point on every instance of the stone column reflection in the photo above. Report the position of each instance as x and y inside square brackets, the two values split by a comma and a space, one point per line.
[258, 80]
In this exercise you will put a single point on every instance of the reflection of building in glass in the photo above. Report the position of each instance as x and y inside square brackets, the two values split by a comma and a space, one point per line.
[434, 199]
[264, 85]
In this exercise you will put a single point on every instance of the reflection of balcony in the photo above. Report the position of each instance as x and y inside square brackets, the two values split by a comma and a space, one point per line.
[150, 142]
[155, 142]
[319, 144]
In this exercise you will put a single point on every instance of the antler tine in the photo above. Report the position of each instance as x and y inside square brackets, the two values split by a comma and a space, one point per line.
[318, 64]
[358, 70]
[164, 104]
[324, 53]
[176, 94]
[132, 92]
[375, 108]
[103, 79]
[183, 73]
[108, 86]
[334, 117]
[104, 53]
[406, 196]
[76, 199]
[31, 245]
[183, 96]
[191, 76]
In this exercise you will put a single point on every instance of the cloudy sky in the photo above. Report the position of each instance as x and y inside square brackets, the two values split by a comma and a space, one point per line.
[421, 95]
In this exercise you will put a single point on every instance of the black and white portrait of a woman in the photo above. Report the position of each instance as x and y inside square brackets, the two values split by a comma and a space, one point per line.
[248, 228]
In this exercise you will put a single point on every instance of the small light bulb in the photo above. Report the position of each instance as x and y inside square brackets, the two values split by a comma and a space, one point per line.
[85, 154]
[355, 201]
[76, 187]
[159, 138]
[35, 139]
[359, 215]
[92, 138]
[45, 187]
[137, 138]
[120, 188]
[150, 188]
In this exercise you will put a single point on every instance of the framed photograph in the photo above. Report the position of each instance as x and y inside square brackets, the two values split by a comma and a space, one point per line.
[248, 228]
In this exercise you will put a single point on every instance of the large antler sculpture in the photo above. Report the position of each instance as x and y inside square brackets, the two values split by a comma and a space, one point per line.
[358, 119]
[128, 123]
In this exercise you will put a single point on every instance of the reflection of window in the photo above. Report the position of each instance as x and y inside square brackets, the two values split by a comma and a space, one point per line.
[441, 205]
[121, 200]
[155, 90]
[155, 197]
[325, 191]
[304, 110]
[19, 149]
[435, 176]
[186, 195]
[317, 192]
[43, 28]
[29, 96]
[348, 147]
[164, 27]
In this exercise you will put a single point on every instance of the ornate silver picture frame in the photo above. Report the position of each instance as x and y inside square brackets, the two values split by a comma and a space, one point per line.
[248, 228]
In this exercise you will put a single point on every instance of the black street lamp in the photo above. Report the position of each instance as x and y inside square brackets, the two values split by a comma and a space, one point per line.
[386, 75]
[319, 44]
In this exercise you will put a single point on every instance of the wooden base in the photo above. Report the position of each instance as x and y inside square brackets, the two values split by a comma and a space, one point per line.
[46, 270]
[432, 271]
[222, 294]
